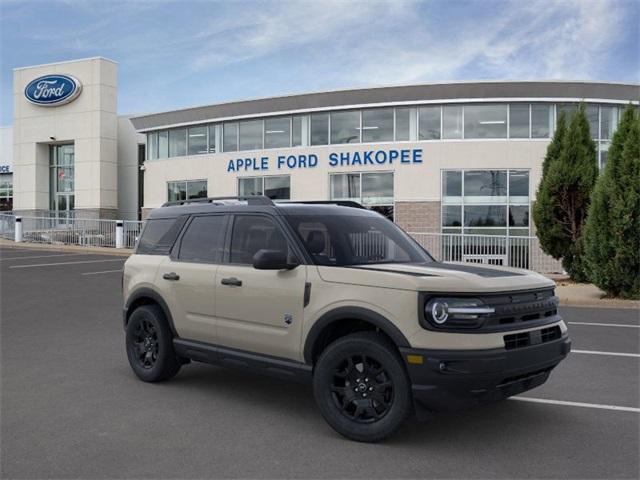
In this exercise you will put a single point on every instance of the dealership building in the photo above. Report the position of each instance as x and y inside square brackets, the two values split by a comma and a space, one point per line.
[449, 157]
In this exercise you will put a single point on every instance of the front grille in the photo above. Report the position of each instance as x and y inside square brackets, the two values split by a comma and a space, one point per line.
[535, 337]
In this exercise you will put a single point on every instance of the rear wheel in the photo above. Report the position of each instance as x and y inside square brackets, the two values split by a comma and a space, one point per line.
[149, 343]
[361, 387]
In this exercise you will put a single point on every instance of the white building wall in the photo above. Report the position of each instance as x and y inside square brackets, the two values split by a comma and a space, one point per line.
[128, 169]
[90, 122]
[412, 182]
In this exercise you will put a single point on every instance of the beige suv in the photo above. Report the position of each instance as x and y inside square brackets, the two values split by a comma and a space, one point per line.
[338, 296]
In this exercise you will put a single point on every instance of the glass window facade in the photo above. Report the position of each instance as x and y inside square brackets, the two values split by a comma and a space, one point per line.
[345, 127]
[276, 187]
[485, 121]
[486, 202]
[186, 190]
[251, 135]
[296, 131]
[197, 140]
[178, 142]
[152, 146]
[319, 129]
[62, 179]
[381, 124]
[277, 132]
[163, 144]
[403, 124]
[230, 137]
[377, 125]
[429, 123]
[519, 120]
[6, 192]
[452, 122]
[374, 190]
[541, 120]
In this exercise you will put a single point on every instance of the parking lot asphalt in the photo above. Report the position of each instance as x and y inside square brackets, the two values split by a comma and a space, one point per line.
[72, 408]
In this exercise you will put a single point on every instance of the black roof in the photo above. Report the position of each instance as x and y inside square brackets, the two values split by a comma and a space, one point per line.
[258, 205]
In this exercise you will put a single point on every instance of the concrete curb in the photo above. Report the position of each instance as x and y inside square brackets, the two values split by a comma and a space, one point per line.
[588, 295]
[65, 248]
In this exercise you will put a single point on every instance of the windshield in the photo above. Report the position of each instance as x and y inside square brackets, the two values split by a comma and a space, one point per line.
[346, 240]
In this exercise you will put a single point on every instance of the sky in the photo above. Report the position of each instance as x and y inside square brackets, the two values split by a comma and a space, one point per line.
[176, 54]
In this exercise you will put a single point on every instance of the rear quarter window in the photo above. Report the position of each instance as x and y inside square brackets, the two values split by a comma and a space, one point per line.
[159, 235]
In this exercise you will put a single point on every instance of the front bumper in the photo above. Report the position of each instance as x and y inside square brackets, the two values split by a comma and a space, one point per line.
[449, 380]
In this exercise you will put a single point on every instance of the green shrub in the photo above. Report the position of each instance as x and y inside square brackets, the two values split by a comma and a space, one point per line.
[569, 174]
[612, 233]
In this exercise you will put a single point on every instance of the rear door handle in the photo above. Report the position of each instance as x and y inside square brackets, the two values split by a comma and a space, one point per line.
[171, 276]
[232, 281]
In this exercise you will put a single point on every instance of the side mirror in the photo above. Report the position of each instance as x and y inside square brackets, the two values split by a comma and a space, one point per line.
[272, 260]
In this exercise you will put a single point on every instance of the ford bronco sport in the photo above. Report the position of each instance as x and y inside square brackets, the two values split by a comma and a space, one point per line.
[338, 296]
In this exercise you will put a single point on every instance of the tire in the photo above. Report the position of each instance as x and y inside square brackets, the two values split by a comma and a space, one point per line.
[361, 387]
[149, 344]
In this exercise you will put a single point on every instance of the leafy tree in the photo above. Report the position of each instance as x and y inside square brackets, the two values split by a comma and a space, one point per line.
[612, 232]
[563, 196]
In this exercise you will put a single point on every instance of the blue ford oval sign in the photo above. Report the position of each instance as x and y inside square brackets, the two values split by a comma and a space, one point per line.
[53, 90]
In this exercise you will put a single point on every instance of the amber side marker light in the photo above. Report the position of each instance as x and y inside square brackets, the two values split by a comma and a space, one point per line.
[415, 359]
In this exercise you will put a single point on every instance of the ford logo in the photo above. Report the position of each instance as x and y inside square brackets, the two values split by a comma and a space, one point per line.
[53, 90]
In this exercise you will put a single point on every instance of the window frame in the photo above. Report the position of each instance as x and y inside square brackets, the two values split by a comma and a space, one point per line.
[461, 204]
[292, 242]
[177, 245]
[186, 188]
[262, 183]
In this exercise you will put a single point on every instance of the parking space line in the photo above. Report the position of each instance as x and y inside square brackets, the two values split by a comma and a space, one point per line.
[577, 404]
[614, 354]
[104, 271]
[604, 324]
[68, 263]
[42, 256]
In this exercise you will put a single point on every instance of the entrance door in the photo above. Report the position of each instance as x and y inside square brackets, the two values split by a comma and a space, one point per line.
[62, 180]
[259, 310]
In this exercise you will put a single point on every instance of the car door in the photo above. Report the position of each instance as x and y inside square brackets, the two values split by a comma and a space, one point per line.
[189, 274]
[259, 310]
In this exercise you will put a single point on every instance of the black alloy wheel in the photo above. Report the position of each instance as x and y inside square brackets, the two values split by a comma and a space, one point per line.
[149, 344]
[146, 344]
[361, 386]
[362, 389]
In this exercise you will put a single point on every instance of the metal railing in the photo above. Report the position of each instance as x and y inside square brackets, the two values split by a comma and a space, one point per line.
[7, 226]
[132, 229]
[518, 252]
[71, 231]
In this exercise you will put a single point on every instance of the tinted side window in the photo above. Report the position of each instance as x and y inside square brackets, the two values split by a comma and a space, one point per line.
[204, 240]
[252, 233]
[159, 235]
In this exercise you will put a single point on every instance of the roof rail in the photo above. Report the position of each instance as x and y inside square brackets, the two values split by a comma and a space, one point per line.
[341, 203]
[250, 199]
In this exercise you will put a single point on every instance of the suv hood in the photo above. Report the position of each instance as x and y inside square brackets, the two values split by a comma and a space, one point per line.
[437, 277]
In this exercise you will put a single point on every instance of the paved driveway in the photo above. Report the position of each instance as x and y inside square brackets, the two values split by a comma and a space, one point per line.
[71, 407]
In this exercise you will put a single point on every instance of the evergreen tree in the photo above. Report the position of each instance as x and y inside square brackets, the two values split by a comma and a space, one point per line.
[548, 231]
[563, 197]
[612, 232]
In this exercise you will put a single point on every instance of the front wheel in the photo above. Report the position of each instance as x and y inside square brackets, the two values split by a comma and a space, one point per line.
[361, 387]
[149, 344]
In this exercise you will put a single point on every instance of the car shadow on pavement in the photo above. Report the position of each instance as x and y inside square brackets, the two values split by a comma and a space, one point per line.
[265, 395]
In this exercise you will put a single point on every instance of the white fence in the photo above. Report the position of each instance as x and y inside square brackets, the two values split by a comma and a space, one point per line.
[519, 252]
[71, 231]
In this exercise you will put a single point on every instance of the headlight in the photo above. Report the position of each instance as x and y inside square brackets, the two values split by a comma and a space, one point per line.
[456, 311]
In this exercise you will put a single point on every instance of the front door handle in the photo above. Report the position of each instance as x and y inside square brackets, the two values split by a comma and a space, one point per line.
[171, 276]
[232, 281]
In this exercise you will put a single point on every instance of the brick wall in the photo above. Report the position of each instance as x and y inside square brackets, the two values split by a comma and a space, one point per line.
[418, 216]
